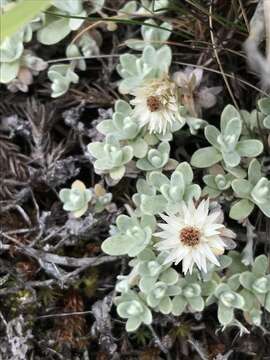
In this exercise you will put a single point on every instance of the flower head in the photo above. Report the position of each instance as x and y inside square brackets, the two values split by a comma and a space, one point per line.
[193, 235]
[194, 95]
[157, 106]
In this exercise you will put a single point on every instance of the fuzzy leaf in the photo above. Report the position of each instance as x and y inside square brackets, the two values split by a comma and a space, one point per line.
[116, 245]
[179, 304]
[54, 32]
[133, 323]
[241, 209]
[242, 188]
[211, 133]
[228, 113]
[249, 148]
[169, 276]
[225, 314]
[206, 157]
[165, 306]
[196, 303]
[264, 105]
[260, 265]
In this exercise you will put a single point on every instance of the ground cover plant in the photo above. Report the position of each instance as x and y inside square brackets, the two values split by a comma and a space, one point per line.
[135, 179]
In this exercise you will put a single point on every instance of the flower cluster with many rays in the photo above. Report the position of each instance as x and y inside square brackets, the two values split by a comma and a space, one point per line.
[193, 236]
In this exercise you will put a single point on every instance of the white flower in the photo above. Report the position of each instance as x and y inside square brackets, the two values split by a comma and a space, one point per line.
[157, 106]
[193, 236]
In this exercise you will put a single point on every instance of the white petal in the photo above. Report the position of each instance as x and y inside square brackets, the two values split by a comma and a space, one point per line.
[188, 264]
[210, 256]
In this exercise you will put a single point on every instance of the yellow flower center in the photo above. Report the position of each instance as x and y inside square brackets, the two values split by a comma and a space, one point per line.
[190, 236]
[153, 103]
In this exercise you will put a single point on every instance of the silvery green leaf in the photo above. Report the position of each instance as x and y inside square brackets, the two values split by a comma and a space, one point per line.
[251, 121]
[165, 305]
[212, 193]
[261, 285]
[222, 288]
[267, 302]
[237, 171]
[11, 48]
[208, 287]
[256, 317]
[149, 221]
[61, 76]
[117, 173]
[155, 158]
[211, 133]
[261, 265]
[139, 147]
[9, 71]
[151, 139]
[177, 180]
[179, 304]
[154, 35]
[232, 299]
[265, 208]
[116, 245]
[254, 171]
[106, 127]
[196, 303]
[123, 107]
[75, 24]
[186, 171]
[249, 148]
[225, 314]
[236, 265]
[147, 283]
[264, 105]
[192, 192]
[242, 188]
[174, 192]
[206, 157]
[147, 318]
[152, 205]
[231, 158]
[129, 64]
[151, 36]
[191, 290]
[170, 276]
[133, 324]
[233, 129]
[261, 190]
[70, 6]
[54, 32]
[96, 149]
[146, 255]
[160, 59]
[234, 282]
[210, 181]
[266, 122]
[144, 188]
[124, 222]
[173, 290]
[241, 209]
[227, 114]
[157, 179]
[250, 299]
[225, 262]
